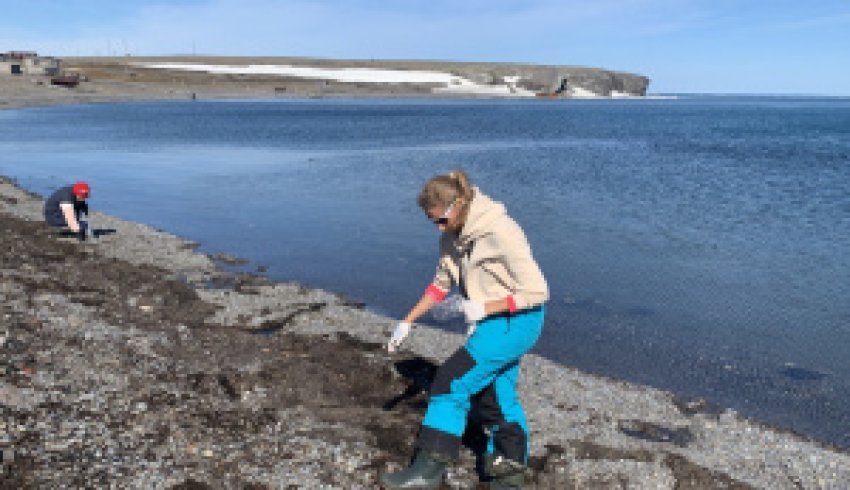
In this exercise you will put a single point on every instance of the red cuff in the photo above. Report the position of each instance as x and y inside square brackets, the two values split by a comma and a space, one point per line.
[435, 293]
[511, 304]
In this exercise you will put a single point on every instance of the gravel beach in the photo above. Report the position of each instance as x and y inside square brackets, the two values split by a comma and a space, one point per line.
[132, 361]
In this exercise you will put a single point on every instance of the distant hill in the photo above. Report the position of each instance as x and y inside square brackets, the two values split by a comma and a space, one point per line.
[319, 76]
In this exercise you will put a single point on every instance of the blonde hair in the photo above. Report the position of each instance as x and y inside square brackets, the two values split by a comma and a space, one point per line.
[444, 190]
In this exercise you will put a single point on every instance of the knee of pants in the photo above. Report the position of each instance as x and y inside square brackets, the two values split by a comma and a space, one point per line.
[452, 401]
[448, 379]
[512, 410]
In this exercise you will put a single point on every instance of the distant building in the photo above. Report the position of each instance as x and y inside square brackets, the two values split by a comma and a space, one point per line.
[27, 63]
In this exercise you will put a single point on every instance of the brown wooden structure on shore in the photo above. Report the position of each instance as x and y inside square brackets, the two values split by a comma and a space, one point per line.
[65, 80]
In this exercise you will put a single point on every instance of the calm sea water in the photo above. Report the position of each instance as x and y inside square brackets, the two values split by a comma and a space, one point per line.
[700, 245]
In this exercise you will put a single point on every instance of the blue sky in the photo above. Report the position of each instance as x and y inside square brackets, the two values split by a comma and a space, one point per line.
[708, 46]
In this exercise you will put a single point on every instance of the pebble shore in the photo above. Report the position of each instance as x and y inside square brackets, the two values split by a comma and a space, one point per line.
[134, 361]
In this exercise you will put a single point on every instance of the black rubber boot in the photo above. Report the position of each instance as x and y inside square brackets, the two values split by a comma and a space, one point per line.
[506, 474]
[426, 472]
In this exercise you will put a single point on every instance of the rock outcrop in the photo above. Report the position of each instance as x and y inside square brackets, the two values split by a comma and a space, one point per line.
[556, 80]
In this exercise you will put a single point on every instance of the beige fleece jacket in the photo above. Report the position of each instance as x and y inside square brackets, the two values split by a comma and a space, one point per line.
[491, 256]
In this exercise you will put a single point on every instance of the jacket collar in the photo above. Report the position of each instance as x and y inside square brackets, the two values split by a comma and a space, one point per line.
[483, 211]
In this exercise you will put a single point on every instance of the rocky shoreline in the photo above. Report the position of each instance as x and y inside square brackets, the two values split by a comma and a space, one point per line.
[133, 361]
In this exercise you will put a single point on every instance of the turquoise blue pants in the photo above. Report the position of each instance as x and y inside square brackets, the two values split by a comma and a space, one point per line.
[487, 368]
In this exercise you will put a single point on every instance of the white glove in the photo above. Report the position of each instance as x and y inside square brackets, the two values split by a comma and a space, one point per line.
[474, 311]
[401, 331]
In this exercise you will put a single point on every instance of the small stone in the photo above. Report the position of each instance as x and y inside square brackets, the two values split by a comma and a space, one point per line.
[7, 456]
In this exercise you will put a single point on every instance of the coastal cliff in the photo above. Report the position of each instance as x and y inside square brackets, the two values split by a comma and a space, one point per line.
[321, 77]
[558, 80]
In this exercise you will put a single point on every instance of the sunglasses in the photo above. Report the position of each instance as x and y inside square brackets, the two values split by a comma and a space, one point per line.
[444, 219]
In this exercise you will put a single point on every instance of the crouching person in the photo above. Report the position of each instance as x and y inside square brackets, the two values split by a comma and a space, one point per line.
[486, 255]
[65, 208]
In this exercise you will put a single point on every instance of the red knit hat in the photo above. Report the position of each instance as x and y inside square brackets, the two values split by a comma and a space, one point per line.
[81, 190]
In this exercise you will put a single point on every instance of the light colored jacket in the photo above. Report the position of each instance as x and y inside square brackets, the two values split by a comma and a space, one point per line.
[490, 258]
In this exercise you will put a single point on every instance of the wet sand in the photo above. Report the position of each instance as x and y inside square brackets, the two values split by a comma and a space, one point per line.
[132, 361]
